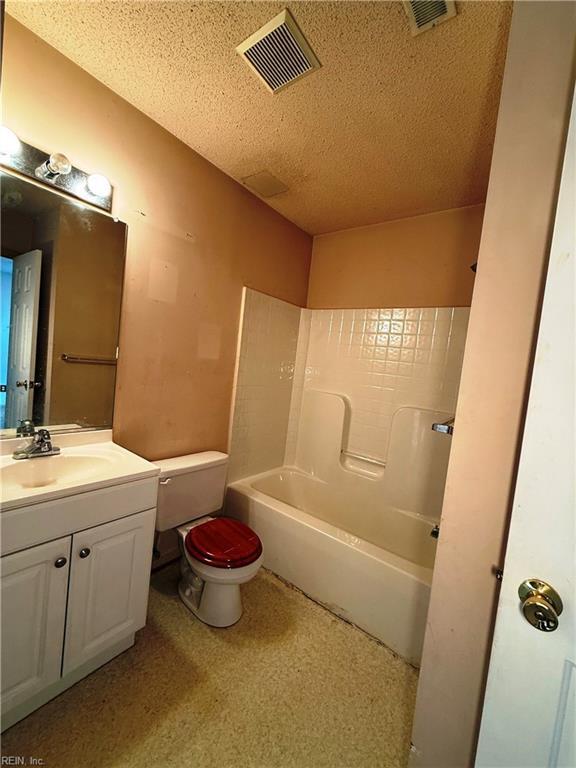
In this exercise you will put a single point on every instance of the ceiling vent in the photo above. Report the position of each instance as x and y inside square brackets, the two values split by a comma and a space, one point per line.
[279, 53]
[264, 184]
[425, 14]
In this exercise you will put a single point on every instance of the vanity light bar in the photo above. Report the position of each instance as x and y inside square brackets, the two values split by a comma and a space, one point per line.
[54, 170]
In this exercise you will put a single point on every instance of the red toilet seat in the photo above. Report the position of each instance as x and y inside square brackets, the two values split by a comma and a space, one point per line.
[223, 543]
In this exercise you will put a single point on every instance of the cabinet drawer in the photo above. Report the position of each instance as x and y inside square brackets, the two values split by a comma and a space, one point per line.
[27, 526]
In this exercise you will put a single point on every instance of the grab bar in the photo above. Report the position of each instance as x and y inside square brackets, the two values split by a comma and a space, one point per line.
[367, 459]
[445, 428]
[87, 360]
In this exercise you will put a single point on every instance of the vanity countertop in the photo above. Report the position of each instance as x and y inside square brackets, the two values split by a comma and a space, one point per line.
[77, 469]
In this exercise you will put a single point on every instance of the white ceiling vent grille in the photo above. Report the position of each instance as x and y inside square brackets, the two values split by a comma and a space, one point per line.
[279, 53]
[425, 14]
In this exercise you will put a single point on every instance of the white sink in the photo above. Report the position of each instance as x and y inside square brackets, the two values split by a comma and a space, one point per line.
[75, 470]
[49, 470]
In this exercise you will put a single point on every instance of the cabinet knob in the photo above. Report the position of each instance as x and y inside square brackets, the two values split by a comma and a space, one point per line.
[84, 552]
[60, 562]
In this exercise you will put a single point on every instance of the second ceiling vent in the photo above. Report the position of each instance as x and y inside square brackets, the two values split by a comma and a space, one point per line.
[425, 14]
[279, 53]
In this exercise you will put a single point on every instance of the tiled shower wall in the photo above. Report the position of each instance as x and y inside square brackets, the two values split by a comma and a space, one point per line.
[298, 386]
[265, 370]
[381, 359]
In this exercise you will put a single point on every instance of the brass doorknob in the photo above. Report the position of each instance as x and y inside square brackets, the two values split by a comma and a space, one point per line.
[541, 604]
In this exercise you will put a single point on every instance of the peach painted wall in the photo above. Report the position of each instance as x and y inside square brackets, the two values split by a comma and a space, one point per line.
[195, 238]
[422, 261]
[518, 221]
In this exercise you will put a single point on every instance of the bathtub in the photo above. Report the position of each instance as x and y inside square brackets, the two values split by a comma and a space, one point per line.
[366, 561]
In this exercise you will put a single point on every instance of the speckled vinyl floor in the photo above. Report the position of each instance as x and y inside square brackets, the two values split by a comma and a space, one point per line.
[289, 685]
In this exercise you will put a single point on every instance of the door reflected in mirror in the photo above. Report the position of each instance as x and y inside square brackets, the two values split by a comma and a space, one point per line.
[62, 269]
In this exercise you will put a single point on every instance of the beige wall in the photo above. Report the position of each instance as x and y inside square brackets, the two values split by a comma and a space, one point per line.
[422, 261]
[195, 237]
[517, 226]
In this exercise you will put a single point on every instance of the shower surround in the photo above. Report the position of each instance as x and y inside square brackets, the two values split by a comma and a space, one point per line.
[333, 459]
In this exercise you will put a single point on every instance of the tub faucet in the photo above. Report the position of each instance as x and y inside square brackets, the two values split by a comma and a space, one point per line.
[39, 445]
[446, 427]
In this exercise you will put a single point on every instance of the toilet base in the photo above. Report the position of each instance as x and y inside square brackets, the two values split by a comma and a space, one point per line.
[218, 605]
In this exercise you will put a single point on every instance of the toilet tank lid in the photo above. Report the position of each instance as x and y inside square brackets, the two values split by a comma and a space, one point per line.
[192, 462]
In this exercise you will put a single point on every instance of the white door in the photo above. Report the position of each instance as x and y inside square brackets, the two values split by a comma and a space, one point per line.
[23, 333]
[529, 716]
[34, 584]
[108, 586]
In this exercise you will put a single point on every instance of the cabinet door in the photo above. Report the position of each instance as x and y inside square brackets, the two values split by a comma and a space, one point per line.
[34, 584]
[109, 579]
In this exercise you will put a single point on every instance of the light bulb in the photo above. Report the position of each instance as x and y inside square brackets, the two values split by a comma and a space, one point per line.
[56, 165]
[99, 185]
[9, 142]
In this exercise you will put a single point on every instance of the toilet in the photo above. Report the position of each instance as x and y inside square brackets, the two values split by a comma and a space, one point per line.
[218, 554]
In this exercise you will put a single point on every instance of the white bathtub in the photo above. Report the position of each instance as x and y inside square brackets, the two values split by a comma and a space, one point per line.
[369, 563]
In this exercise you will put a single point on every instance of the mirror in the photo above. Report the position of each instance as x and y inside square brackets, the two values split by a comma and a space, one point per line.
[62, 269]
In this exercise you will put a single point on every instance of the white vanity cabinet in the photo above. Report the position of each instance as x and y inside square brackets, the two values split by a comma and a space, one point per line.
[74, 580]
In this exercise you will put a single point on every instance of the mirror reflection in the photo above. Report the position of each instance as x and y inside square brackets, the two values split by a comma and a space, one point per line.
[62, 268]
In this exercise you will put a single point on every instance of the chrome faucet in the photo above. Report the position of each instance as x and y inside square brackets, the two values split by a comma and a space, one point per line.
[25, 428]
[40, 445]
[446, 427]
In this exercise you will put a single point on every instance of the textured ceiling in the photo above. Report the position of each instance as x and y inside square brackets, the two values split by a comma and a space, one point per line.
[391, 126]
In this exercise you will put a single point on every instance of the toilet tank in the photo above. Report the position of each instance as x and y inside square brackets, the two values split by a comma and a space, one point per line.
[190, 487]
